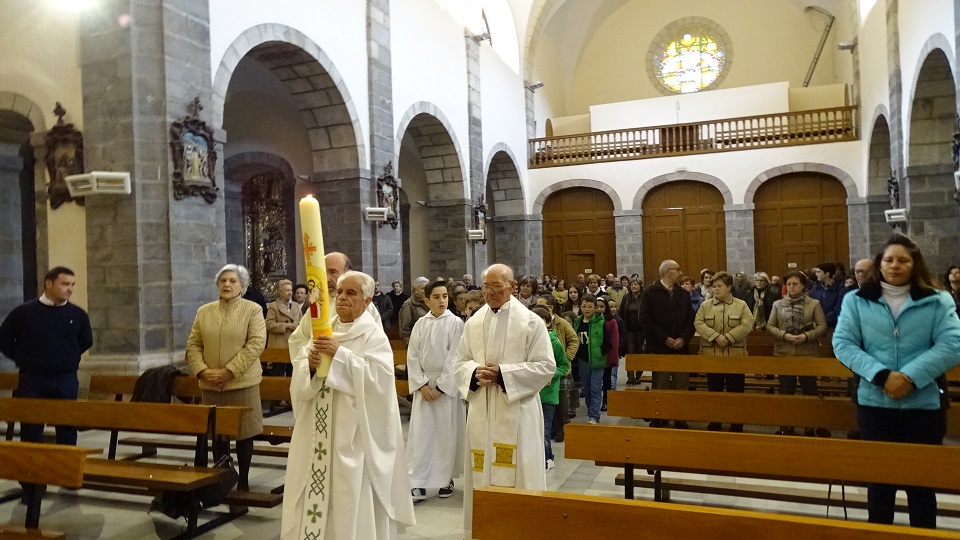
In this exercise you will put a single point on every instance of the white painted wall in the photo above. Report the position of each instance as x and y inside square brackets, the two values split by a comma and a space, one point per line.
[503, 110]
[339, 28]
[919, 20]
[702, 106]
[874, 78]
[429, 61]
[736, 169]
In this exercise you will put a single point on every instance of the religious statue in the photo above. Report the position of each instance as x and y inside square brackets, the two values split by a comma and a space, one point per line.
[64, 158]
[194, 157]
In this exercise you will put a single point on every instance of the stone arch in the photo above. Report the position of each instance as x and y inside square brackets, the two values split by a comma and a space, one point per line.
[336, 136]
[926, 63]
[504, 189]
[21, 104]
[820, 168]
[439, 148]
[657, 181]
[553, 188]
[878, 155]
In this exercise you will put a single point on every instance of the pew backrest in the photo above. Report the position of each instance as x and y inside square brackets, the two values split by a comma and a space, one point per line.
[35, 463]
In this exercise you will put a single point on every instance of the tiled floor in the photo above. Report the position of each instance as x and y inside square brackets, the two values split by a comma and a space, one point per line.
[87, 514]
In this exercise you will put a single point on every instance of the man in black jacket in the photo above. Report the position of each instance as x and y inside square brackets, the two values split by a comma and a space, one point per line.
[666, 316]
[45, 338]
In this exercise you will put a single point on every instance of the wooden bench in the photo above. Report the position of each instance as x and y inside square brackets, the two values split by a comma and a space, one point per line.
[275, 356]
[40, 464]
[137, 477]
[797, 459]
[541, 515]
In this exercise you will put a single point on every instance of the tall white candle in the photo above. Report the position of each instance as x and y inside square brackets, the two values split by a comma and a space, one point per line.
[316, 270]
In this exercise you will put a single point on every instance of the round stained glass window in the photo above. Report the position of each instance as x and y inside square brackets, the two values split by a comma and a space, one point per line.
[689, 55]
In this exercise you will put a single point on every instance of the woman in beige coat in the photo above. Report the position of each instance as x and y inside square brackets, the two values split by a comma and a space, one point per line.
[796, 323]
[723, 323]
[223, 350]
[283, 316]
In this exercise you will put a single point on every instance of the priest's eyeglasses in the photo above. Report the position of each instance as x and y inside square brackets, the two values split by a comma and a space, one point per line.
[496, 286]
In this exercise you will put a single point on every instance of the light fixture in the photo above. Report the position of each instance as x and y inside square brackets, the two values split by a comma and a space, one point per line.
[98, 183]
[376, 214]
[847, 45]
[477, 235]
[535, 86]
[480, 38]
[895, 215]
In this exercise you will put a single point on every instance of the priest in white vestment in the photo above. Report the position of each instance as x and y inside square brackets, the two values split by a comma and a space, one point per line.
[346, 473]
[503, 361]
[435, 438]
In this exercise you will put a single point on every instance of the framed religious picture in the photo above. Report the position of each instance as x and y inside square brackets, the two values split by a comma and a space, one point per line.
[194, 156]
[388, 196]
[64, 146]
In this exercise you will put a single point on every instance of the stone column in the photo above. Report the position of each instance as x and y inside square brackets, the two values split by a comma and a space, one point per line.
[628, 227]
[932, 213]
[475, 145]
[895, 87]
[741, 254]
[878, 230]
[519, 243]
[341, 204]
[387, 254]
[11, 234]
[858, 229]
[451, 253]
[152, 259]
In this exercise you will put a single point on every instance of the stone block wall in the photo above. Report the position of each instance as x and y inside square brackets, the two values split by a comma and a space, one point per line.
[738, 220]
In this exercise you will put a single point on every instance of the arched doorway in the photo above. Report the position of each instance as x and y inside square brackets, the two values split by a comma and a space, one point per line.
[18, 242]
[878, 175]
[800, 220]
[684, 221]
[578, 233]
[504, 197]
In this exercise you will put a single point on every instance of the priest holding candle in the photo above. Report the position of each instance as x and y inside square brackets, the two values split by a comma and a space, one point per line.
[346, 472]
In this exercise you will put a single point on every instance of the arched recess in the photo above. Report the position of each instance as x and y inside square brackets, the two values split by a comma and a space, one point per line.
[800, 220]
[684, 220]
[23, 227]
[658, 181]
[322, 97]
[932, 211]
[578, 233]
[879, 162]
[260, 217]
[567, 184]
[504, 197]
[432, 176]
[817, 168]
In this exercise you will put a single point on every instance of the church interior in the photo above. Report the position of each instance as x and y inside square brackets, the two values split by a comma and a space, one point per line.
[146, 143]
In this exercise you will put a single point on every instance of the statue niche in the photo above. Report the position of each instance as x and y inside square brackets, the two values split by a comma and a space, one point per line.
[267, 239]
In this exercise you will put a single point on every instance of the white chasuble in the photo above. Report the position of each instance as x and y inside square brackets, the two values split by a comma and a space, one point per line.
[504, 443]
[346, 476]
[436, 435]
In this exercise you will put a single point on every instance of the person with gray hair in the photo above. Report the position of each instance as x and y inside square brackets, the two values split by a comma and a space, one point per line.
[347, 467]
[414, 308]
[223, 351]
[502, 362]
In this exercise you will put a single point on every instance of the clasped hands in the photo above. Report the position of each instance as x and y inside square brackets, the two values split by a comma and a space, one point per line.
[430, 393]
[898, 385]
[488, 375]
[217, 376]
[327, 345]
[795, 338]
[674, 343]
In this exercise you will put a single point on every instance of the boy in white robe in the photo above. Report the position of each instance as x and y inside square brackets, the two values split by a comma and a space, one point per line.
[346, 476]
[435, 440]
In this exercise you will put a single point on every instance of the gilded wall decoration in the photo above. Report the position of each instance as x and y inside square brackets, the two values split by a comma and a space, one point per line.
[194, 156]
[64, 158]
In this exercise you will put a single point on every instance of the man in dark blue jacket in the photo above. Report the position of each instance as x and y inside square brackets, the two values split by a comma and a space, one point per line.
[45, 338]
[828, 292]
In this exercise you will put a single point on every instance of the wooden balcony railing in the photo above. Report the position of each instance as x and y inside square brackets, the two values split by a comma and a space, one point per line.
[745, 133]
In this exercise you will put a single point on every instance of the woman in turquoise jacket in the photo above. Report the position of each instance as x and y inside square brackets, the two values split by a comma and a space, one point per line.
[899, 334]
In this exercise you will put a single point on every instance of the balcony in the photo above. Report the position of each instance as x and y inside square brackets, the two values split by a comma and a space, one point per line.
[730, 134]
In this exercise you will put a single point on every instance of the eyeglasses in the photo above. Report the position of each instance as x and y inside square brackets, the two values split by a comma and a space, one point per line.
[496, 286]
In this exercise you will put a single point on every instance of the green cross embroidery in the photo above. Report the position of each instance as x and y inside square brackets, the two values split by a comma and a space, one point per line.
[314, 514]
[320, 451]
[324, 389]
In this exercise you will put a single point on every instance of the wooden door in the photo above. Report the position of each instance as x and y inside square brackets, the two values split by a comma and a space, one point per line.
[578, 233]
[684, 221]
[800, 220]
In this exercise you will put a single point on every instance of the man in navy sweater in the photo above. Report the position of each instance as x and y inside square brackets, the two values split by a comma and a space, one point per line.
[45, 338]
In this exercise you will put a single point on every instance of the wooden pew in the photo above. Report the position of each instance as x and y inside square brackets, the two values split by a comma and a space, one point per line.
[275, 356]
[746, 408]
[139, 477]
[541, 515]
[798, 459]
[40, 464]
